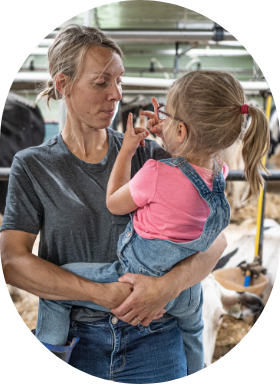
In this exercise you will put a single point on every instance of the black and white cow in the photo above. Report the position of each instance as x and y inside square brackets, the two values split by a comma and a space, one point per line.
[219, 300]
[243, 250]
[22, 126]
[274, 129]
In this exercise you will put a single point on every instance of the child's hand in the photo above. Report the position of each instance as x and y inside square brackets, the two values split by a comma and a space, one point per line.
[154, 125]
[133, 137]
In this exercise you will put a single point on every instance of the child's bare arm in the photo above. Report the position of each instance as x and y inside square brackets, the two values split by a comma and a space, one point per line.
[118, 197]
[119, 200]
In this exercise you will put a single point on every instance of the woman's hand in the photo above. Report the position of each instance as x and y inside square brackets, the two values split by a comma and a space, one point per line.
[154, 125]
[115, 294]
[146, 302]
[133, 137]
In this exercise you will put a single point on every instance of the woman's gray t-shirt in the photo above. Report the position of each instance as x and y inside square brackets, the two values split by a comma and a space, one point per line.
[53, 192]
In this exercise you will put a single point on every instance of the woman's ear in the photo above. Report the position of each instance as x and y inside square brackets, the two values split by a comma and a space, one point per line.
[182, 132]
[61, 81]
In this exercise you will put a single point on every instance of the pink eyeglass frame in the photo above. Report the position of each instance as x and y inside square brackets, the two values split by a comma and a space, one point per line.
[167, 114]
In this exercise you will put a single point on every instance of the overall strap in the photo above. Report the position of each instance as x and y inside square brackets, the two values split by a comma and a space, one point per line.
[219, 183]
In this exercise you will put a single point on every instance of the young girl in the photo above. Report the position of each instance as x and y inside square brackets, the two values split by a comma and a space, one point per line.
[179, 203]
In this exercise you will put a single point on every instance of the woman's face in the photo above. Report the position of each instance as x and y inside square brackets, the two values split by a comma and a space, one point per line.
[93, 99]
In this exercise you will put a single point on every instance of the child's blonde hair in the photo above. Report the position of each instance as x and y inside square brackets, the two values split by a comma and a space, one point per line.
[209, 103]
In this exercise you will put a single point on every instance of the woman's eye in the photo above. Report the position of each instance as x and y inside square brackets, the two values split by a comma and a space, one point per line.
[104, 83]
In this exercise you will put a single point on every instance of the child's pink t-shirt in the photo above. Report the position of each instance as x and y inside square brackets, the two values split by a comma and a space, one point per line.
[170, 207]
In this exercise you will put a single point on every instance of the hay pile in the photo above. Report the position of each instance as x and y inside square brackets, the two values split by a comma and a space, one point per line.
[26, 305]
[230, 334]
[272, 209]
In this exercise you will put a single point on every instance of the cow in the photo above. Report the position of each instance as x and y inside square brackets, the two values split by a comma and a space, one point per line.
[274, 129]
[242, 250]
[22, 126]
[219, 301]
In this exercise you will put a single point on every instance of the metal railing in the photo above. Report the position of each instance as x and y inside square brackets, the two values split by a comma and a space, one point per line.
[240, 176]
[232, 176]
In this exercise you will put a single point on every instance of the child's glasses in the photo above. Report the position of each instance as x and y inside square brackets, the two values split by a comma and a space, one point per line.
[162, 114]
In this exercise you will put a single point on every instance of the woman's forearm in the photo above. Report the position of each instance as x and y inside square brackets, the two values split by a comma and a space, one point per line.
[29, 272]
[26, 271]
[195, 268]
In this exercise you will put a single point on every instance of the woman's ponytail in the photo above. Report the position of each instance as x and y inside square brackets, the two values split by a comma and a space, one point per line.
[256, 143]
[49, 91]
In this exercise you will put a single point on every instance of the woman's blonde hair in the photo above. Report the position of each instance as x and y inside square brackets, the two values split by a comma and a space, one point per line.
[209, 103]
[67, 52]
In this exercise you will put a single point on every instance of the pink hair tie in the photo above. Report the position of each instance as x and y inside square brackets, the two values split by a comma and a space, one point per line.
[244, 109]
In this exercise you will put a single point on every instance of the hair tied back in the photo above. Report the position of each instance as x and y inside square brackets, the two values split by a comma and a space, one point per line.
[244, 109]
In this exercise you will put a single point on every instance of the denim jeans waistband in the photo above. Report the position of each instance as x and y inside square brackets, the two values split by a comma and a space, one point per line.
[105, 321]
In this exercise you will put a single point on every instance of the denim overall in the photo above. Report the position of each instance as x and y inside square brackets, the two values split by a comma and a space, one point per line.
[152, 258]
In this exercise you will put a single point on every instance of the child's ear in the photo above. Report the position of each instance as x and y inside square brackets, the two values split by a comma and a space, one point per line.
[182, 132]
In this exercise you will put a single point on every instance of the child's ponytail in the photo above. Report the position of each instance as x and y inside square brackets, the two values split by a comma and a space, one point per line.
[211, 104]
[256, 143]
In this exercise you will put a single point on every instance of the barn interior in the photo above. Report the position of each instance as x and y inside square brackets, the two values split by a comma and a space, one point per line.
[162, 42]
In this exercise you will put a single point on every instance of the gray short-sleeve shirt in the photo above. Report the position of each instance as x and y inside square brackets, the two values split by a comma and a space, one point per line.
[56, 193]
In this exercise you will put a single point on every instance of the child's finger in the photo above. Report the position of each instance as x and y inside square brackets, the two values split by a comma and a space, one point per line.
[155, 104]
[144, 134]
[156, 128]
[129, 125]
[141, 136]
[151, 124]
[149, 114]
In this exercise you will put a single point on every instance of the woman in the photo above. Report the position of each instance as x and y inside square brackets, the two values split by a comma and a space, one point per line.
[59, 189]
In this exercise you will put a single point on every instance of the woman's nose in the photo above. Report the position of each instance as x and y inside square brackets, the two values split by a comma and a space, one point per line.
[116, 92]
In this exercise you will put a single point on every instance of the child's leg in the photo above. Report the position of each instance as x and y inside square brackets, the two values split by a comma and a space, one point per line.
[188, 310]
[54, 316]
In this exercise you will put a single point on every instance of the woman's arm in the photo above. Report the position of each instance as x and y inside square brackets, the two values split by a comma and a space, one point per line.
[118, 197]
[151, 294]
[26, 271]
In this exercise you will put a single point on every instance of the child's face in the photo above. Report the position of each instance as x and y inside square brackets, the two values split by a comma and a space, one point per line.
[168, 120]
[169, 133]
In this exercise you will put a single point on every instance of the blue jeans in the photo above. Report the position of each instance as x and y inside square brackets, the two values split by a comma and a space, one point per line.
[124, 353]
[54, 316]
